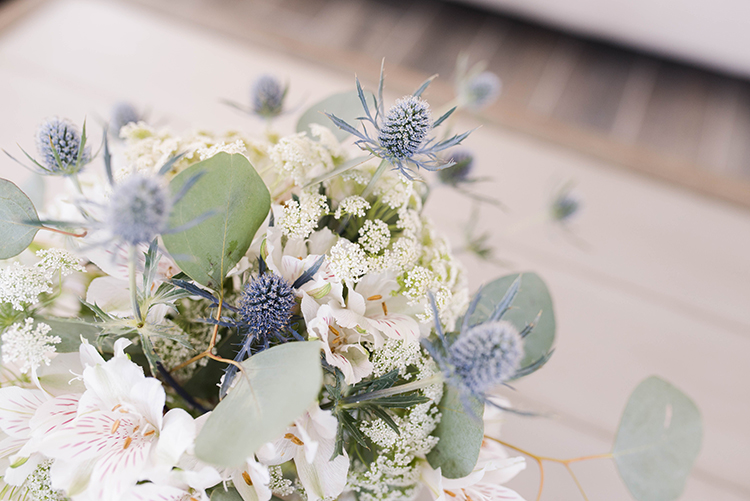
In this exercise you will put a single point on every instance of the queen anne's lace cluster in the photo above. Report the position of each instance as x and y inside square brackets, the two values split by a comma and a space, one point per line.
[27, 346]
[21, 285]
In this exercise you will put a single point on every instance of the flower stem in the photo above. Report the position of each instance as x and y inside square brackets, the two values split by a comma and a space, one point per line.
[375, 177]
[133, 286]
[66, 233]
[395, 390]
[564, 462]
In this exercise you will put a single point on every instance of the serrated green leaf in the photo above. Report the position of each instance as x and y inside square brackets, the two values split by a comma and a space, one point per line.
[17, 215]
[345, 105]
[235, 194]
[658, 441]
[460, 434]
[399, 401]
[284, 382]
[532, 298]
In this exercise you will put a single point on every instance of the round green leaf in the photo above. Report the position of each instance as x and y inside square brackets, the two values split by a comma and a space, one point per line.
[284, 382]
[460, 434]
[221, 494]
[533, 297]
[346, 105]
[658, 441]
[16, 215]
[238, 201]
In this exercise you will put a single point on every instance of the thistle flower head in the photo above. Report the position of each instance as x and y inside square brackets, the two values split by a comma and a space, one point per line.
[486, 355]
[138, 209]
[267, 96]
[266, 304]
[463, 163]
[481, 90]
[59, 142]
[402, 134]
[123, 113]
[405, 127]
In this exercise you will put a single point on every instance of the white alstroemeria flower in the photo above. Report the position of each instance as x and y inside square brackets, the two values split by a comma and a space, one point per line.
[114, 438]
[177, 485]
[310, 444]
[252, 481]
[337, 329]
[17, 408]
[390, 314]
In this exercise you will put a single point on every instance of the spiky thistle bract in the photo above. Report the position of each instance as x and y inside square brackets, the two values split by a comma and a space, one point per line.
[401, 136]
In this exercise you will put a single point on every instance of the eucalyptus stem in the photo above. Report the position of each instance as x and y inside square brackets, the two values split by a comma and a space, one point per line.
[371, 185]
[133, 286]
[395, 390]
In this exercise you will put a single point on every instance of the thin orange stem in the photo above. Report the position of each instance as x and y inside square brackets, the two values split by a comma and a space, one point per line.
[564, 462]
[575, 479]
[55, 230]
[541, 479]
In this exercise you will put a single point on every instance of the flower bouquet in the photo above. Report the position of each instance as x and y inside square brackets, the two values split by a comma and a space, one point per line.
[226, 317]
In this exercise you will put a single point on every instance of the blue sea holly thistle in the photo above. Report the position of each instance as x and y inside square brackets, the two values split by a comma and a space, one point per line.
[482, 356]
[123, 113]
[267, 96]
[266, 313]
[62, 149]
[401, 137]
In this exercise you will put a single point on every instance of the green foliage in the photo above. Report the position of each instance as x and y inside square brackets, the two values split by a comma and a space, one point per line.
[460, 434]
[238, 201]
[532, 300]
[17, 218]
[70, 332]
[345, 105]
[230, 494]
[362, 401]
[284, 381]
[658, 441]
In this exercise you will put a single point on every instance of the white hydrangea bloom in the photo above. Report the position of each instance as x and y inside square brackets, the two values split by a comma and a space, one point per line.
[418, 282]
[327, 139]
[237, 147]
[354, 205]
[300, 219]
[374, 236]
[348, 260]
[301, 158]
[28, 347]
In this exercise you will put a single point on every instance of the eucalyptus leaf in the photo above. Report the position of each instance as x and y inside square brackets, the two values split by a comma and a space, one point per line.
[17, 215]
[229, 494]
[346, 106]
[460, 434]
[658, 441]
[532, 298]
[238, 201]
[284, 382]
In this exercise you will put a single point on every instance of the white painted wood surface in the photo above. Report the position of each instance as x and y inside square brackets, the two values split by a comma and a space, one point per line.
[662, 286]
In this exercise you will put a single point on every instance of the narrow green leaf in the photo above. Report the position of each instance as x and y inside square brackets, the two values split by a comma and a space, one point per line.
[658, 441]
[460, 434]
[284, 382]
[346, 106]
[239, 201]
[17, 215]
[532, 298]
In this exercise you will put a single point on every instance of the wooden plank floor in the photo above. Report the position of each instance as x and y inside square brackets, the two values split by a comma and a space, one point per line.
[659, 117]
[661, 287]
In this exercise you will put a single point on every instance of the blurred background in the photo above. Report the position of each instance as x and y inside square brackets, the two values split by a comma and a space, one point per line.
[643, 106]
